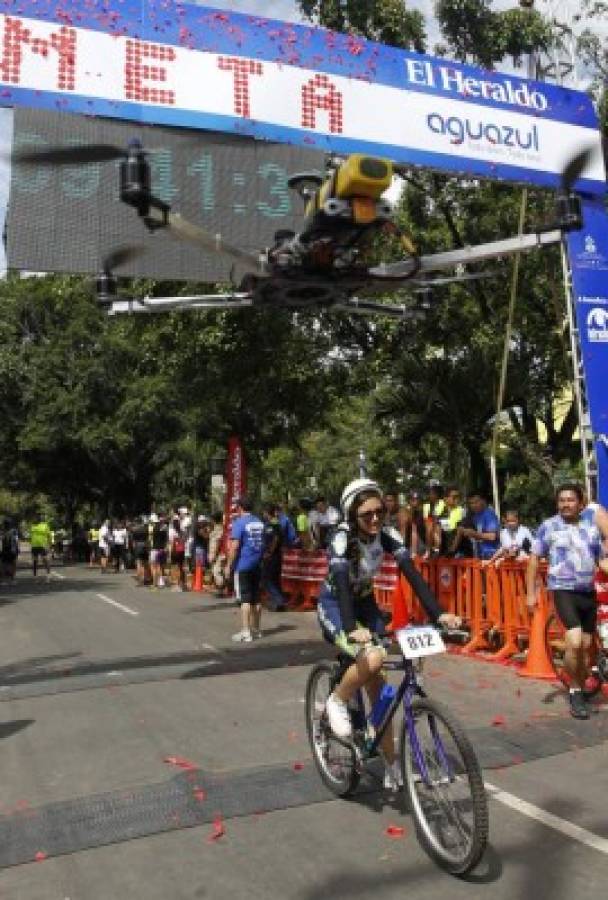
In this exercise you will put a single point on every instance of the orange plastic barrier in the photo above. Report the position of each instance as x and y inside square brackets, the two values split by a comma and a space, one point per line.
[491, 600]
[385, 583]
[302, 575]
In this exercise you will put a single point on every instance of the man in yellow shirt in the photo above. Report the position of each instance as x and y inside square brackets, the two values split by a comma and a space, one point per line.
[40, 542]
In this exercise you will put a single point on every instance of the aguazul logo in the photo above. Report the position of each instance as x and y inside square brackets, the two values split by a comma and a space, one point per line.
[597, 325]
[457, 130]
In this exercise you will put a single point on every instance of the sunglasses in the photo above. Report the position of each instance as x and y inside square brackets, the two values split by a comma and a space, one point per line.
[372, 514]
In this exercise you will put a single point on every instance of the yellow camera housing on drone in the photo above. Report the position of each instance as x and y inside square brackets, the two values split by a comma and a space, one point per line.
[360, 181]
[363, 176]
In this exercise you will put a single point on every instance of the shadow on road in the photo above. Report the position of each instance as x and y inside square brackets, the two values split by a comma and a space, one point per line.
[250, 657]
[7, 729]
[33, 665]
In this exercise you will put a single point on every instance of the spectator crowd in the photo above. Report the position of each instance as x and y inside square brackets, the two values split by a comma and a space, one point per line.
[164, 549]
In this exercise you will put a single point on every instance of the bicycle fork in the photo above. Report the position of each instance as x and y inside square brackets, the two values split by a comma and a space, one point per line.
[415, 744]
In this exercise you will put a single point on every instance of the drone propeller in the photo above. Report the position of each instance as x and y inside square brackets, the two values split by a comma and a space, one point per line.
[106, 283]
[188, 231]
[120, 256]
[70, 156]
[574, 168]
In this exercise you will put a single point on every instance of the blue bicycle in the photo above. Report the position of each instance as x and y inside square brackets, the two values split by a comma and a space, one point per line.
[441, 774]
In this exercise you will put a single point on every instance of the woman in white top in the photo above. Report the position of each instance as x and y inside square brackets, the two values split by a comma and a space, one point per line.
[119, 546]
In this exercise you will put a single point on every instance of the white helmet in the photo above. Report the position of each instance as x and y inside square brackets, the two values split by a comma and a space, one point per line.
[352, 491]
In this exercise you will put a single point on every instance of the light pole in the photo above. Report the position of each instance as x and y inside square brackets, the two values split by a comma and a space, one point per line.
[362, 464]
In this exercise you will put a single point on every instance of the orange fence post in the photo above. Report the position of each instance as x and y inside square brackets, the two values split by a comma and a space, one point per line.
[471, 601]
[515, 619]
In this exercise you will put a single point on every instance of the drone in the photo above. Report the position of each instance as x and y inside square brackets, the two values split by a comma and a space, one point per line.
[324, 265]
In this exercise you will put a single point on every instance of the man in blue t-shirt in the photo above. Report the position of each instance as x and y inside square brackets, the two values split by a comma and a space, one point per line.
[572, 547]
[481, 527]
[245, 549]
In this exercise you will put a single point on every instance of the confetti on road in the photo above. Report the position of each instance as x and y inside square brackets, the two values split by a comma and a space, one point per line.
[180, 762]
[218, 830]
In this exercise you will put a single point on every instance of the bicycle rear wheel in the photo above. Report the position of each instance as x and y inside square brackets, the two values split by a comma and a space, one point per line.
[335, 762]
[445, 787]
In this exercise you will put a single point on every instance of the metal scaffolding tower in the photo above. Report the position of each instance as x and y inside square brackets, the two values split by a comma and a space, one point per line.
[559, 64]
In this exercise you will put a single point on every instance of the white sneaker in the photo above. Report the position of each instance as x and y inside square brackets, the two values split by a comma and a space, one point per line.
[393, 779]
[339, 718]
[242, 637]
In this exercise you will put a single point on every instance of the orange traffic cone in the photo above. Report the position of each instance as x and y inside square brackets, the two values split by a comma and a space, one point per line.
[401, 614]
[197, 584]
[538, 663]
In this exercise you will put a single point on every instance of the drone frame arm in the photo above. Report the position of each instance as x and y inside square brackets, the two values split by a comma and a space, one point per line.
[437, 262]
[166, 304]
[367, 307]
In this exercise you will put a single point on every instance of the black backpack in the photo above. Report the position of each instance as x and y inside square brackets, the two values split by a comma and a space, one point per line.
[9, 541]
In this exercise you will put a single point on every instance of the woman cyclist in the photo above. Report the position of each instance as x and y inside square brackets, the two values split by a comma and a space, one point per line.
[347, 610]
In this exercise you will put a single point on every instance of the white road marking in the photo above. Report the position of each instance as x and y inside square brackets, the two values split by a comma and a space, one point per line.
[57, 575]
[210, 647]
[127, 609]
[562, 825]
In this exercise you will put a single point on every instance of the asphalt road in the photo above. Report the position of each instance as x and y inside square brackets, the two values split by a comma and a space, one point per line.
[146, 756]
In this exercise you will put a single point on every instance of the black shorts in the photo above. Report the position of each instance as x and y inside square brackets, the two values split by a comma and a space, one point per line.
[39, 551]
[576, 609]
[247, 585]
[140, 551]
[177, 557]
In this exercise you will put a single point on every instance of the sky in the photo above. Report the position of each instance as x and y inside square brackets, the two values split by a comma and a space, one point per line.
[274, 9]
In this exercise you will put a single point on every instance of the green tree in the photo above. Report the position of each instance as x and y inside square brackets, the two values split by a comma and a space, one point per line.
[475, 33]
[387, 21]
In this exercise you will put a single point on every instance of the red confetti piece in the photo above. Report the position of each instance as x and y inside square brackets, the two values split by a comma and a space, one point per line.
[218, 830]
[199, 794]
[180, 762]
[41, 856]
[298, 766]
[498, 720]
[394, 831]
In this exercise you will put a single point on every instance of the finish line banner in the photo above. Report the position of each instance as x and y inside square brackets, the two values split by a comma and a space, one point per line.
[163, 62]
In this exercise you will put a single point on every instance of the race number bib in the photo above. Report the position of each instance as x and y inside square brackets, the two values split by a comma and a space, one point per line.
[421, 641]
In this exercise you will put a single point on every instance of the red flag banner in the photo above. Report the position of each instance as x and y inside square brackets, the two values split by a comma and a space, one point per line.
[236, 482]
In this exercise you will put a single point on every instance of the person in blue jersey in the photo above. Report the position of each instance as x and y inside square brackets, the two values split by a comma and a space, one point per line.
[348, 613]
[572, 546]
[245, 550]
[481, 528]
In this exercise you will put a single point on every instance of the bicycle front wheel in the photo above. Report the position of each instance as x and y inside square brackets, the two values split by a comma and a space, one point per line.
[336, 763]
[444, 786]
